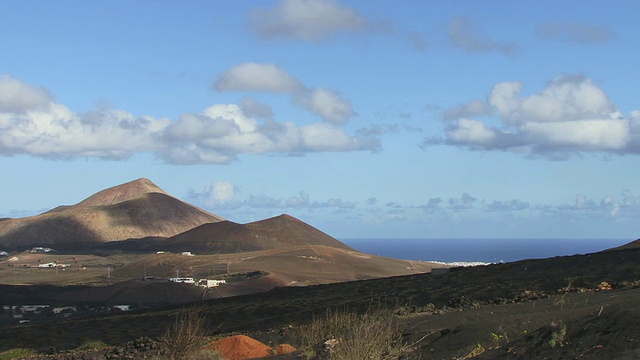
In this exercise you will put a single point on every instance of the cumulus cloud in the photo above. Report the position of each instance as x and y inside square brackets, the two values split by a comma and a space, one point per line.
[432, 206]
[257, 77]
[217, 194]
[465, 202]
[574, 32]
[255, 109]
[625, 208]
[36, 125]
[221, 195]
[472, 108]
[463, 34]
[571, 114]
[310, 20]
[18, 98]
[510, 205]
[327, 104]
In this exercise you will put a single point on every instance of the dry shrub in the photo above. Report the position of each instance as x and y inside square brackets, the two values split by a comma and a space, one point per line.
[185, 336]
[372, 335]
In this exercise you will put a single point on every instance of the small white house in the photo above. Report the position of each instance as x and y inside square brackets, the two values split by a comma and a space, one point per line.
[210, 283]
[40, 249]
[48, 265]
[185, 280]
[187, 253]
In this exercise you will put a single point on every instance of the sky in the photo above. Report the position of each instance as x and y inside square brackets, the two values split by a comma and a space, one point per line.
[365, 119]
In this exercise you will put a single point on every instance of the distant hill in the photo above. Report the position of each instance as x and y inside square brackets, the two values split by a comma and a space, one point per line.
[632, 245]
[225, 237]
[132, 210]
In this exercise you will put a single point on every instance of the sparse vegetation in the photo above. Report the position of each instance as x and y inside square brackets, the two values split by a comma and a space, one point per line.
[558, 334]
[92, 344]
[16, 353]
[475, 351]
[344, 335]
[185, 336]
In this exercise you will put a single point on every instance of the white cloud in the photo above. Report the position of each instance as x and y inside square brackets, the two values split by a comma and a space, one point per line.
[257, 77]
[510, 205]
[465, 202]
[222, 191]
[466, 36]
[327, 104]
[269, 78]
[324, 136]
[255, 109]
[575, 32]
[309, 20]
[472, 108]
[571, 114]
[474, 132]
[216, 135]
[597, 134]
[18, 97]
[221, 195]
[59, 132]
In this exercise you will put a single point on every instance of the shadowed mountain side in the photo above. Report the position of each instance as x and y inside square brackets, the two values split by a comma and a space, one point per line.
[77, 226]
[59, 231]
[152, 214]
[137, 291]
[226, 237]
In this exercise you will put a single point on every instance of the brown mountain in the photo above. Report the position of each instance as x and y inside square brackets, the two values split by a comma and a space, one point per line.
[225, 237]
[132, 210]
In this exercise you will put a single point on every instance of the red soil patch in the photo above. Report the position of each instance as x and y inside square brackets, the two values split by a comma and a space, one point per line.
[240, 347]
[285, 349]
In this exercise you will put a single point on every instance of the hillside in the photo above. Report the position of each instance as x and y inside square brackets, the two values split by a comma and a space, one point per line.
[556, 308]
[632, 245]
[132, 210]
[225, 237]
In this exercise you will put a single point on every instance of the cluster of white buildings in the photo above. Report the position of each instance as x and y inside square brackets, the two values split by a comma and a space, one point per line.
[40, 249]
[53, 264]
[207, 283]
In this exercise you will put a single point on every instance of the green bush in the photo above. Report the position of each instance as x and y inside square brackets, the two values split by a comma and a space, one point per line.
[92, 345]
[16, 353]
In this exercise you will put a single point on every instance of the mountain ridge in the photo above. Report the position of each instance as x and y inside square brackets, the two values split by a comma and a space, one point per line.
[134, 209]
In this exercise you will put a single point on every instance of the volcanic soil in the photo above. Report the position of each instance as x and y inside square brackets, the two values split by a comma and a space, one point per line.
[572, 307]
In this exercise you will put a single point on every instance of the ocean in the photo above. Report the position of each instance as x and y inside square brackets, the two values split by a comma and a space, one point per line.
[479, 250]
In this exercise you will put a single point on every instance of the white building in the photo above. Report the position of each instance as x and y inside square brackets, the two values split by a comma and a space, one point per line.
[185, 280]
[210, 283]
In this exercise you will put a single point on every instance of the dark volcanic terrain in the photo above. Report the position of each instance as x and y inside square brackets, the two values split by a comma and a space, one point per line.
[585, 305]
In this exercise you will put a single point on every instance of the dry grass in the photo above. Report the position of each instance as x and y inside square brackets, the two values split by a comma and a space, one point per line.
[185, 337]
[372, 335]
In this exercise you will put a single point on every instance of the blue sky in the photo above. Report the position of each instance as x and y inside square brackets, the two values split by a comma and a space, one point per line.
[366, 119]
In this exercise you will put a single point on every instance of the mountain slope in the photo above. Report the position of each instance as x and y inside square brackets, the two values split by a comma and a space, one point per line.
[227, 237]
[136, 209]
[632, 245]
